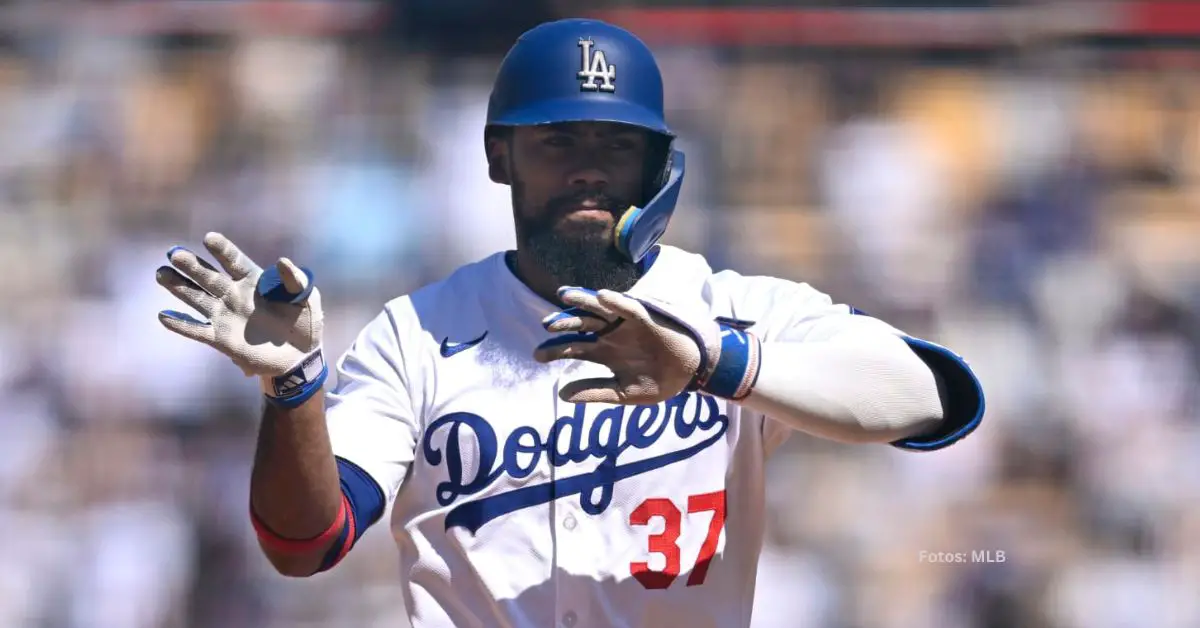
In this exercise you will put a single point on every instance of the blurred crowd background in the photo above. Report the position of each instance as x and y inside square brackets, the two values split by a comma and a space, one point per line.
[1015, 180]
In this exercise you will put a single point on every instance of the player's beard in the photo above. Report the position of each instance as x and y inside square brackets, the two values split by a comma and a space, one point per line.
[578, 253]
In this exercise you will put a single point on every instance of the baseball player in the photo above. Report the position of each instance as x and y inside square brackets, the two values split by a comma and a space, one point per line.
[572, 433]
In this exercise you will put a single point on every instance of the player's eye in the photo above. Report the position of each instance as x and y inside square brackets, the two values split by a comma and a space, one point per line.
[559, 140]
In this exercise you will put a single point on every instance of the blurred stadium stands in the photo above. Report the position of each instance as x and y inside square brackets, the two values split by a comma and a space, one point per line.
[1015, 179]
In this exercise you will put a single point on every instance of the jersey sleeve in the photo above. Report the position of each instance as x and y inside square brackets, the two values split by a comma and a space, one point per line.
[370, 417]
[787, 311]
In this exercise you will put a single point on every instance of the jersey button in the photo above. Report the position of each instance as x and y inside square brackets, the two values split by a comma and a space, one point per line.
[569, 618]
[569, 522]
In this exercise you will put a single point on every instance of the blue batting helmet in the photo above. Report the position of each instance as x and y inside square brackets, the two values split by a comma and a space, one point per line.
[580, 70]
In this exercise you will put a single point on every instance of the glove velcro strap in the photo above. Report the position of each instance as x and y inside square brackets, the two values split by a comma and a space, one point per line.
[737, 369]
[299, 384]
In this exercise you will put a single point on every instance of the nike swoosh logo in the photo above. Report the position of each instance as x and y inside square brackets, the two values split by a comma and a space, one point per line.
[451, 348]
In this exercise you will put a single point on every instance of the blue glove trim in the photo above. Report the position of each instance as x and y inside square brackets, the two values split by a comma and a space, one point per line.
[571, 312]
[565, 289]
[963, 400]
[270, 287]
[737, 369]
[183, 316]
[299, 384]
[568, 338]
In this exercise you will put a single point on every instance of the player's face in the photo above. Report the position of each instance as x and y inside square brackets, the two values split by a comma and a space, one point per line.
[579, 177]
[571, 183]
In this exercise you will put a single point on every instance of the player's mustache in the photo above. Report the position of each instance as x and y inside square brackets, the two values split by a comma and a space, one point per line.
[601, 200]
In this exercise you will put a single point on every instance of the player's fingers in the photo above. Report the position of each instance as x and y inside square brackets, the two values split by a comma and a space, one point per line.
[593, 390]
[284, 282]
[187, 291]
[586, 300]
[574, 319]
[585, 324]
[187, 326]
[203, 263]
[294, 279]
[566, 347]
[199, 271]
[623, 306]
[229, 256]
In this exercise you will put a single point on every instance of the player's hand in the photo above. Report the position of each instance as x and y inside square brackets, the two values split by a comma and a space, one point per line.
[268, 322]
[655, 350]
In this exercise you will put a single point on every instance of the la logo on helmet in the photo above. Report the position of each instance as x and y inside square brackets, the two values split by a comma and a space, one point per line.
[595, 67]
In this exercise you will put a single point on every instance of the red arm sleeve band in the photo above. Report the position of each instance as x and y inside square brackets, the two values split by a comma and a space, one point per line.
[283, 545]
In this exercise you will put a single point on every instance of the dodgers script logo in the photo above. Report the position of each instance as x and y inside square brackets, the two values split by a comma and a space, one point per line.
[614, 430]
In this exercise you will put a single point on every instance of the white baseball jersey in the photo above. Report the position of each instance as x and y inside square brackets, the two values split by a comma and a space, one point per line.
[515, 508]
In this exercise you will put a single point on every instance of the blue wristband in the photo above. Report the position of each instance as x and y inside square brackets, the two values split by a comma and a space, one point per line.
[299, 384]
[737, 368]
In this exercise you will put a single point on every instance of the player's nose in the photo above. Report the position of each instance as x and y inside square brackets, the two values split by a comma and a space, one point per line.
[590, 176]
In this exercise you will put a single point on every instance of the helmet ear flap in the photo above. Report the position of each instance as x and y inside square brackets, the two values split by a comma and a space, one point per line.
[658, 165]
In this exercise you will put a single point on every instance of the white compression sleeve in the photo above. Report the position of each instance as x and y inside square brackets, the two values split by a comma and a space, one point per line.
[852, 388]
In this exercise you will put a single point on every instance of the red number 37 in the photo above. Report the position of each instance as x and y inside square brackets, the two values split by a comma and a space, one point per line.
[666, 542]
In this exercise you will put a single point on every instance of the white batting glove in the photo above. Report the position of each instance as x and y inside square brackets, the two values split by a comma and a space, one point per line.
[268, 322]
[654, 349]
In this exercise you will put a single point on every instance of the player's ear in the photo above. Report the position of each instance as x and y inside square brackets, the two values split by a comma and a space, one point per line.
[498, 157]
